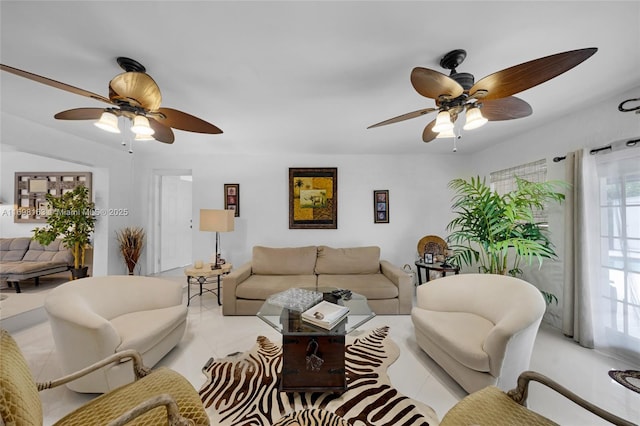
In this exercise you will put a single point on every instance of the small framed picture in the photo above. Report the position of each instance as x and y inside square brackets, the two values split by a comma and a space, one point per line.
[381, 206]
[232, 197]
[428, 258]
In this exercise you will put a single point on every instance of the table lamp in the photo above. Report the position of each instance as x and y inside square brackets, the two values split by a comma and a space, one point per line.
[216, 221]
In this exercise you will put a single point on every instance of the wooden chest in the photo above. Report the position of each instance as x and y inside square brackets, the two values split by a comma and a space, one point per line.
[313, 363]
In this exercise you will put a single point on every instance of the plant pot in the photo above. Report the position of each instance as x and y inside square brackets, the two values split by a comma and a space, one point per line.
[79, 273]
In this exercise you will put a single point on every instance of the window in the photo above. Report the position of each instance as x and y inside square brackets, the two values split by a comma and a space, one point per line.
[619, 283]
[504, 181]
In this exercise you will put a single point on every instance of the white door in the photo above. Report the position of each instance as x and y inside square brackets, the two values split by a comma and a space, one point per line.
[175, 222]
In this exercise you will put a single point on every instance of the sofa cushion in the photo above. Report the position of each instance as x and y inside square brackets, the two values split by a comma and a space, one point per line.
[145, 329]
[372, 286]
[283, 261]
[461, 335]
[21, 268]
[54, 252]
[259, 287]
[13, 249]
[355, 260]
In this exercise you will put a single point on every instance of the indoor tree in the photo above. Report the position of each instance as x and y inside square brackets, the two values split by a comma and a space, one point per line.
[73, 219]
[498, 232]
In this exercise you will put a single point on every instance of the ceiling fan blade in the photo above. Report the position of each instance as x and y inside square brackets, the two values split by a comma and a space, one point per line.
[162, 133]
[433, 84]
[403, 117]
[183, 121]
[529, 74]
[54, 83]
[508, 108]
[80, 114]
[428, 134]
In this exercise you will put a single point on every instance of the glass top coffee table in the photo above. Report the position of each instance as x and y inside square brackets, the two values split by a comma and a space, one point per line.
[289, 321]
[312, 356]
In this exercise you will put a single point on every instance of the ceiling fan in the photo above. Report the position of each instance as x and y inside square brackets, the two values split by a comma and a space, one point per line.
[490, 99]
[133, 94]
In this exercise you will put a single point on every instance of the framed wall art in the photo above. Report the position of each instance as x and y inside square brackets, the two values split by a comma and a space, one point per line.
[232, 197]
[381, 206]
[31, 189]
[313, 198]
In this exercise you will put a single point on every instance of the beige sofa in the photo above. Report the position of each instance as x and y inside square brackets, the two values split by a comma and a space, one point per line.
[387, 288]
[23, 258]
[93, 318]
[480, 328]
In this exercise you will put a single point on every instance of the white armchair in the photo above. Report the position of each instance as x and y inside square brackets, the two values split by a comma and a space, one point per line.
[93, 318]
[480, 328]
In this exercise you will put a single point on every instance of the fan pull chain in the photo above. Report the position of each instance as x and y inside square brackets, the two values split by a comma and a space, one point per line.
[124, 124]
[456, 136]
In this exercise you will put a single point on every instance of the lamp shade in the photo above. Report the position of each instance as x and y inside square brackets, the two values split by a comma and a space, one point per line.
[216, 220]
[141, 126]
[109, 122]
[475, 119]
[446, 134]
[443, 122]
[140, 137]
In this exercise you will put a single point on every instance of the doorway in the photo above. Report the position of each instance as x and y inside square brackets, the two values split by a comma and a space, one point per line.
[174, 220]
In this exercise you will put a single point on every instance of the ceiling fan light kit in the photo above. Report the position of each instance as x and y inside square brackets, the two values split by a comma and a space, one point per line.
[132, 94]
[443, 122]
[446, 134]
[108, 122]
[474, 118]
[141, 126]
[459, 92]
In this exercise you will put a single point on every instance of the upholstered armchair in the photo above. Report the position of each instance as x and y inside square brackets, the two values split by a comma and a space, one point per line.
[491, 406]
[480, 328]
[156, 397]
[105, 315]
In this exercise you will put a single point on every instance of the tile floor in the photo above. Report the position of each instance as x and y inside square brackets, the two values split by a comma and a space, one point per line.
[209, 334]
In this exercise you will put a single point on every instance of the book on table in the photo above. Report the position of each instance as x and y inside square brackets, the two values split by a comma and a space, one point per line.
[325, 314]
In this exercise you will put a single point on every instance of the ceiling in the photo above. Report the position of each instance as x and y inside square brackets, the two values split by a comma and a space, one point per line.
[309, 77]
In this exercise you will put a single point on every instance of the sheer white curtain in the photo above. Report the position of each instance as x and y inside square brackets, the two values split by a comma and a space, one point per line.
[602, 271]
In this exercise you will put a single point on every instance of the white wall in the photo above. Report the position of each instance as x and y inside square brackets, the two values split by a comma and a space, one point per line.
[418, 206]
[12, 162]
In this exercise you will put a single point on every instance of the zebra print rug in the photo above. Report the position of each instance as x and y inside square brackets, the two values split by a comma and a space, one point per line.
[242, 389]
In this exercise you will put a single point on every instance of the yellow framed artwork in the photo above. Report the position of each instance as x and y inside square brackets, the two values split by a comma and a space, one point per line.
[313, 198]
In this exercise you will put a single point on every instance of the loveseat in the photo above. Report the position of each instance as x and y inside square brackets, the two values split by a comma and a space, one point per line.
[93, 318]
[388, 288]
[23, 258]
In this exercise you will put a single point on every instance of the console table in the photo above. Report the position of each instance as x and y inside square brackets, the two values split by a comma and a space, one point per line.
[434, 267]
[202, 276]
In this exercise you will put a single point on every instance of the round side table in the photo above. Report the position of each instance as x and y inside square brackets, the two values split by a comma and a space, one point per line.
[203, 276]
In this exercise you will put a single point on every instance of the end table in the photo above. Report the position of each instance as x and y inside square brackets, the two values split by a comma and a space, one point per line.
[434, 267]
[202, 276]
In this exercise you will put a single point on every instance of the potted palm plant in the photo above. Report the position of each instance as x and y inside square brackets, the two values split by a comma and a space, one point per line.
[73, 218]
[131, 241]
[499, 232]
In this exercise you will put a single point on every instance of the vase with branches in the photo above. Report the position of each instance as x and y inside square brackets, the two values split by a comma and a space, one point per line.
[499, 232]
[131, 241]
